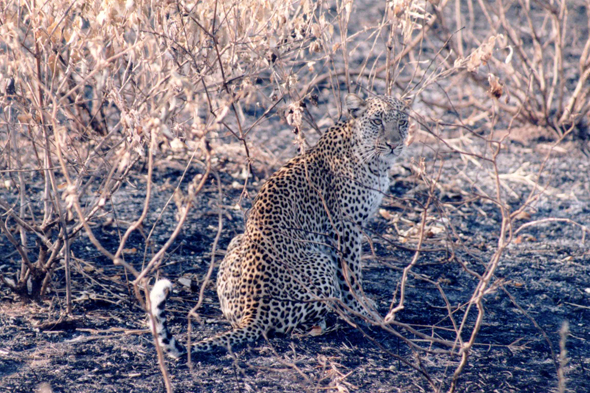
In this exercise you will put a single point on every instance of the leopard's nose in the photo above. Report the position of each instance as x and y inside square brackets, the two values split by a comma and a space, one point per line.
[391, 145]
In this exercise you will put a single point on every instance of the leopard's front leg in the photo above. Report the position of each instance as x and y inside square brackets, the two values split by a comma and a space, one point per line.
[348, 245]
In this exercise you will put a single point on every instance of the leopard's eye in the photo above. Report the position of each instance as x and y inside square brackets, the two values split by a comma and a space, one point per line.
[376, 122]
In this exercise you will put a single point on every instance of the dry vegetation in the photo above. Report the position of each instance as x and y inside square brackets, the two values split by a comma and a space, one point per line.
[94, 93]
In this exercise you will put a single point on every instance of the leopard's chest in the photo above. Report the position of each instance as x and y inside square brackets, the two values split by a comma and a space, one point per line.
[376, 193]
[362, 196]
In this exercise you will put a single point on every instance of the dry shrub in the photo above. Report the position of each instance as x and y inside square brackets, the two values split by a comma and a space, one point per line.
[537, 51]
[92, 88]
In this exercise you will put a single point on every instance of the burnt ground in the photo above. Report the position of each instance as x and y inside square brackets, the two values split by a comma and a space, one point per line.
[543, 280]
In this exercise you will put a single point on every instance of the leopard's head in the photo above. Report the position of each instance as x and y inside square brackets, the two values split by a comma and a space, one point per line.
[380, 127]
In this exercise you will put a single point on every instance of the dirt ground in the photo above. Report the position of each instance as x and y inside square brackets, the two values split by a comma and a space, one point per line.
[545, 272]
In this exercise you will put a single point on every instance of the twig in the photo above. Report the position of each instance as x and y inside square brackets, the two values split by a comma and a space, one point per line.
[193, 311]
[546, 220]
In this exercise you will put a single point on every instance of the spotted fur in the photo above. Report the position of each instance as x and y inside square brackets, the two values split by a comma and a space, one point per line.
[302, 243]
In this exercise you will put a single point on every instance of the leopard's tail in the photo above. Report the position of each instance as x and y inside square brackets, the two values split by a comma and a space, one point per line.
[248, 331]
[158, 296]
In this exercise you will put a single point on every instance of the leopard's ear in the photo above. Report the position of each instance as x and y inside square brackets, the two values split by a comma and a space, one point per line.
[356, 105]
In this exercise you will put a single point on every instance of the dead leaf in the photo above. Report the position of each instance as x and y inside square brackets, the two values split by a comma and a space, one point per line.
[177, 145]
[524, 238]
[316, 331]
[386, 214]
[115, 279]
[185, 282]
[523, 216]
[496, 88]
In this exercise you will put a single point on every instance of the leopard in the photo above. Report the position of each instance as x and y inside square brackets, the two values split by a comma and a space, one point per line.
[300, 253]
